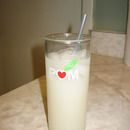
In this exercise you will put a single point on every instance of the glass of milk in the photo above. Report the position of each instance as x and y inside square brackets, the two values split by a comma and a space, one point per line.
[67, 73]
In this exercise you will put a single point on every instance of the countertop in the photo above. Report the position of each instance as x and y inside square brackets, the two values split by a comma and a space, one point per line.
[108, 100]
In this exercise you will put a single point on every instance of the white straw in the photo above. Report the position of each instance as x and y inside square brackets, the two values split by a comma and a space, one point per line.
[77, 47]
[82, 26]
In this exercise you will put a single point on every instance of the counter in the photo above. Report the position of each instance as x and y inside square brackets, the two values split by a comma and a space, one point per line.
[108, 100]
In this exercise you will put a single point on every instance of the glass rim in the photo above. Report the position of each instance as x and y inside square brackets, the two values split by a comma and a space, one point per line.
[51, 37]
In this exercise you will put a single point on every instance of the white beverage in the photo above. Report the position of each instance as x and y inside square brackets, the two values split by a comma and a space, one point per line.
[67, 91]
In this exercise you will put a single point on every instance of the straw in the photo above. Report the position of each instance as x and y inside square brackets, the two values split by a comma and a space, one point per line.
[73, 62]
[80, 33]
[82, 26]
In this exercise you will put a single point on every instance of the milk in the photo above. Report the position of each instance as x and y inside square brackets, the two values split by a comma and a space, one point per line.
[67, 90]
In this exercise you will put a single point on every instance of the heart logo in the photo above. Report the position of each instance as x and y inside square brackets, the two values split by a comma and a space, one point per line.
[61, 74]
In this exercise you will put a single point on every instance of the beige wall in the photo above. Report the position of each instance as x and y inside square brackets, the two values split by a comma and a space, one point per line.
[1, 70]
[1, 57]
[25, 24]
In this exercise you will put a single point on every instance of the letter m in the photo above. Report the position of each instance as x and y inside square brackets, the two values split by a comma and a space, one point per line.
[74, 75]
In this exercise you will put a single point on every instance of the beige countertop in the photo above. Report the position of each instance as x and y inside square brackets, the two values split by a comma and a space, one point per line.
[108, 100]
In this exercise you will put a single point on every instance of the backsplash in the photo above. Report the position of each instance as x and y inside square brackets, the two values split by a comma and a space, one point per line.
[108, 44]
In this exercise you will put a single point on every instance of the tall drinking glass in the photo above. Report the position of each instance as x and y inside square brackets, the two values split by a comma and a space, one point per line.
[67, 74]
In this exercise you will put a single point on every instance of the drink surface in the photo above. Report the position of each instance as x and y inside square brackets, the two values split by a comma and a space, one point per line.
[67, 85]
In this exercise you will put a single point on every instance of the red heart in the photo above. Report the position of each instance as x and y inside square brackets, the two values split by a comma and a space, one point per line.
[61, 74]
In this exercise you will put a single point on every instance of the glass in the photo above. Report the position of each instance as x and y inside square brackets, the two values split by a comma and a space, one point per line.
[67, 73]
